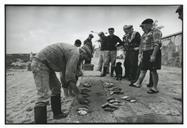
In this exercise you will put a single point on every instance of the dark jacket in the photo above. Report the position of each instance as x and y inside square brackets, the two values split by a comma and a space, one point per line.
[103, 42]
[111, 43]
[132, 40]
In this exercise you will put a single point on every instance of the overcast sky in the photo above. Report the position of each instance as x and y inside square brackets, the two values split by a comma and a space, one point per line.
[31, 28]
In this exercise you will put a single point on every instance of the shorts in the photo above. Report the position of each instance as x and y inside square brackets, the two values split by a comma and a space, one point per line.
[147, 65]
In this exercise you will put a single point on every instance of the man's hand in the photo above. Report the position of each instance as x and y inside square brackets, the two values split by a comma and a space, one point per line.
[136, 48]
[152, 58]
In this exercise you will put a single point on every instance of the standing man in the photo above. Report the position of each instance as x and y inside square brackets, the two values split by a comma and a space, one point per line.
[132, 39]
[111, 51]
[59, 57]
[103, 42]
[88, 42]
[151, 54]
[102, 37]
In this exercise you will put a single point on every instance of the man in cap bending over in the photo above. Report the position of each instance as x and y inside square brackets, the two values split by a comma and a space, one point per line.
[58, 57]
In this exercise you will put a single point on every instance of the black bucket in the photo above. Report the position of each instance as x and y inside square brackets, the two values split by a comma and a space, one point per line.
[40, 113]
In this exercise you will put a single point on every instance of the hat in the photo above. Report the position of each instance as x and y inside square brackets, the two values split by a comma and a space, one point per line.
[111, 29]
[127, 27]
[91, 36]
[87, 50]
[78, 43]
[147, 21]
[100, 33]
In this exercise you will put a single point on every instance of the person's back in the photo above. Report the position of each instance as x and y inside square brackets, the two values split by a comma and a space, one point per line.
[57, 55]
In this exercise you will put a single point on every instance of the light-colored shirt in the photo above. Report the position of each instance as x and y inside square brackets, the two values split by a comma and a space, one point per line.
[63, 58]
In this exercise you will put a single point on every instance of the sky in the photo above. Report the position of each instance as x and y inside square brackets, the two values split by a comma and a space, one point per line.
[31, 28]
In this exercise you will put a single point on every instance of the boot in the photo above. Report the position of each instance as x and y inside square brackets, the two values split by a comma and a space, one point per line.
[112, 71]
[40, 113]
[56, 107]
[104, 71]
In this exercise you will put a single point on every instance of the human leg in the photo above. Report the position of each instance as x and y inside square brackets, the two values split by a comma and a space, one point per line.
[150, 84]
[133, 65]
[138, 83]
[126, 65]
[41, 77]
[113, 61]
[56, 97]
[155, 79]
[106, 63]
[100, 63]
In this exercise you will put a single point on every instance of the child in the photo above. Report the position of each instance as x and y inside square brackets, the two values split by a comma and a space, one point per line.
[118, 71]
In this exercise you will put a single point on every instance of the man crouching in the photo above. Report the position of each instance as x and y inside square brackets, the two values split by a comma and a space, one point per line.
[59, 57]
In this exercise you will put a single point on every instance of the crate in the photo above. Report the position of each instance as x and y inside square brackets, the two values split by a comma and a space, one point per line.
[88, 67]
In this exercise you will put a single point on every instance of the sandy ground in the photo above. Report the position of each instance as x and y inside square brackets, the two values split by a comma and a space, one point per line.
[164, 107]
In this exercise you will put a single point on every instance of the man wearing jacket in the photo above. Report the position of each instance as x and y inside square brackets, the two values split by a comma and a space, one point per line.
[110, 51]
[132, 39]
[58, 57]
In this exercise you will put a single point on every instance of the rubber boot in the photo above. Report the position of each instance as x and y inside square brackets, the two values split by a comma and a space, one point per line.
[56, 107]
[104, 71]
[40, 113]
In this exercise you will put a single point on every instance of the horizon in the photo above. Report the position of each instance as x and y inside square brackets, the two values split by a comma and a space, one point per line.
[34, 27]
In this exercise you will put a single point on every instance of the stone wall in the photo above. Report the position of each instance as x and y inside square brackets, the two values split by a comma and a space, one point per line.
[172, 50]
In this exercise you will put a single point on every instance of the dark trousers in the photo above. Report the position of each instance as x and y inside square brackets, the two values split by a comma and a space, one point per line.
[126, 65]
[132, 64]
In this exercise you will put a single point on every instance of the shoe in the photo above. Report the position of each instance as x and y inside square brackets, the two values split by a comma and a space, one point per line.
[149, 85]
[60, 115]
[56, 107]
[40, 113]
[151, 91]
[132, 85]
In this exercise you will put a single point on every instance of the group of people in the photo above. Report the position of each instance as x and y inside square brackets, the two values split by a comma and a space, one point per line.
[142, 53]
